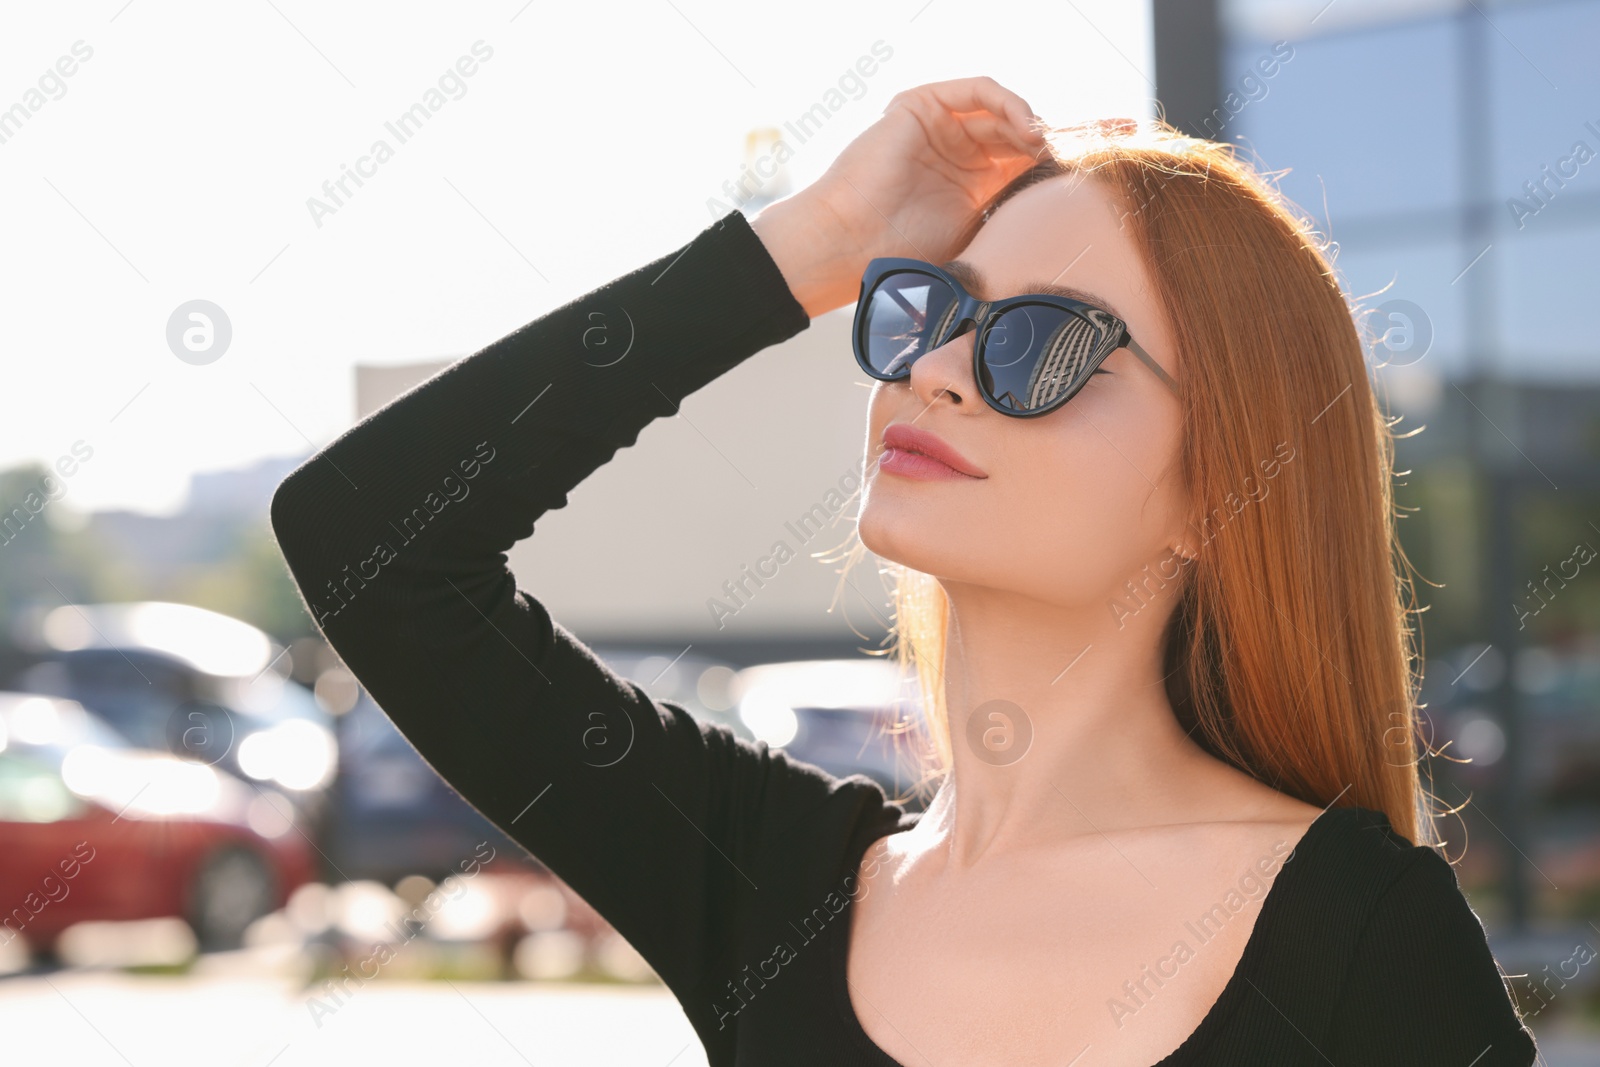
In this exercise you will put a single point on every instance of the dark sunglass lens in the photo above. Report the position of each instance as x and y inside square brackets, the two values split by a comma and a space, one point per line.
[905, 314]
[1035, 354]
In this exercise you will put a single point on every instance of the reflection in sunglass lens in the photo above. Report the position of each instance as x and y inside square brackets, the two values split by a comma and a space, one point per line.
[906, 313]
[1034, 354]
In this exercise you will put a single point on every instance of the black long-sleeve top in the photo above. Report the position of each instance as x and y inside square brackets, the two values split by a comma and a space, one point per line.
[727, 865]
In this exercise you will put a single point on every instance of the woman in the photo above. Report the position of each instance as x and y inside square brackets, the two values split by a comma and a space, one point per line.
[1144, 537]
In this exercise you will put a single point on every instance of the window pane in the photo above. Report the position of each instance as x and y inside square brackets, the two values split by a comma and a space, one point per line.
[1372, 113]
[1536, 122]
[1546, 313]
[1421, 312]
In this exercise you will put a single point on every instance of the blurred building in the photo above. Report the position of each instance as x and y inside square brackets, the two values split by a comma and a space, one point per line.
[206, 531]
[738, 494]
[1451, 149]
[240, 491]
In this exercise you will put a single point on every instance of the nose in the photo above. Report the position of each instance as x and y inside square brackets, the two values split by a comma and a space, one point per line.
[946, 370]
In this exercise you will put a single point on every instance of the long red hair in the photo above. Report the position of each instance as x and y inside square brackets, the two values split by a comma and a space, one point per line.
[1290, 650]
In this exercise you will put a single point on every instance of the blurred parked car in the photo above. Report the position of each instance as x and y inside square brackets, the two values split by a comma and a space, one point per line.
[193, 683]
[702, 684]
[392, 816]
[1558, 692]
[94, 829]
[836, 714]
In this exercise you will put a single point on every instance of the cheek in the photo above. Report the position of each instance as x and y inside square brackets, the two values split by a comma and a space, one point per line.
[1068, 514]
[879, 411]
[1112, 501]
[1070, 519]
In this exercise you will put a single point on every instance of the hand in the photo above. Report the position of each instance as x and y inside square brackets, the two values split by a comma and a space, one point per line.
[914, 183]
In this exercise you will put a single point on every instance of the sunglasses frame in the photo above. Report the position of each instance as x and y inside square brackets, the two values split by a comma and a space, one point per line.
[983, 314]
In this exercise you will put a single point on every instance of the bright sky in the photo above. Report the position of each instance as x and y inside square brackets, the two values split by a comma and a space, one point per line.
[175, 162]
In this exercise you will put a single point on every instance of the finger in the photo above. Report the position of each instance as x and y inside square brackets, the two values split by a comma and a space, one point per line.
[1031, 127]
[968, 138]
[972, 94]
[991, 132]
[1024, 122]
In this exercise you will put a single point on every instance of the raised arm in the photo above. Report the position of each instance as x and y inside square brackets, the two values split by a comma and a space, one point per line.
[396, 534]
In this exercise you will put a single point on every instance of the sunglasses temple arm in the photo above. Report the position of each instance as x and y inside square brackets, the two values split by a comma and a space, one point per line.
[1152, 364]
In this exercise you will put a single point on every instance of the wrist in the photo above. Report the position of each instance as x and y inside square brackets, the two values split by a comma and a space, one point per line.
[813, 251]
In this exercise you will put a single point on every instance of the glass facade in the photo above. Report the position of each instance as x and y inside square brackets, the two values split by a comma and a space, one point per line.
[1451, 151]
[1456, 150]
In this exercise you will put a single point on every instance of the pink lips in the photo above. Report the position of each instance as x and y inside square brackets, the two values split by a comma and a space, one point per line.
[915, 453]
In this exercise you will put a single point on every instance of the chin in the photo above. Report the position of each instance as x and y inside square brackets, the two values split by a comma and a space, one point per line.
[902, 531]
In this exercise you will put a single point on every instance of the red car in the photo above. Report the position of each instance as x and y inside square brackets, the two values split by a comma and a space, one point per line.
[94, 829]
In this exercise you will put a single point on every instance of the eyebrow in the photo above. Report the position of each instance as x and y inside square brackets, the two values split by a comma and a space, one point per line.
[971, 279]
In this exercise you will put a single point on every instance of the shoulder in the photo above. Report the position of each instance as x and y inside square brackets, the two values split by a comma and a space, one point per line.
[1419, 983]
[801, 825]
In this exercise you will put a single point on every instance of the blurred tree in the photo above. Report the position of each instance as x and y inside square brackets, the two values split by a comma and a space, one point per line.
[50, 556]
[46, 558]
[251, 582]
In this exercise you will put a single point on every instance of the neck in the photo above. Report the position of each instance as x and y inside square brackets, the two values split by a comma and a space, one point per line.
[1059, 726]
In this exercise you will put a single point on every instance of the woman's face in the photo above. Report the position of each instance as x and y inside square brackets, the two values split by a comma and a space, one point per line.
[1072, 504]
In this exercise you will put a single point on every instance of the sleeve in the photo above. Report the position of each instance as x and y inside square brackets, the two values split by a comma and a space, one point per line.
[1423, 987]
[396, 534]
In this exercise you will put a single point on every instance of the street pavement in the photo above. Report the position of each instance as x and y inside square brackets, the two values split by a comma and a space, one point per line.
[232, 1013]
[110, 1019]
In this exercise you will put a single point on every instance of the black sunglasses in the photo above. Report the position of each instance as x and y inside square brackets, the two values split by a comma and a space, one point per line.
[1032, 352]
